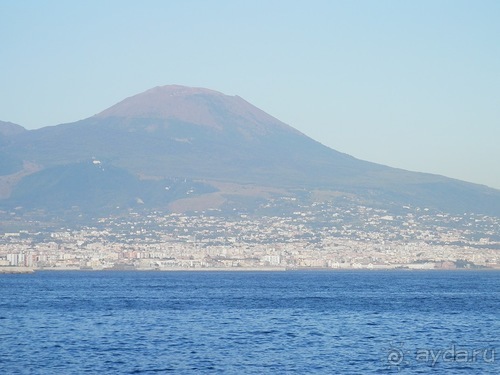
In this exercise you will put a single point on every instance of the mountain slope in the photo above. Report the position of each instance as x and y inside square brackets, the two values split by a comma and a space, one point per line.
[8, 129]
[194, 133]
[94, 186]
[8, 163]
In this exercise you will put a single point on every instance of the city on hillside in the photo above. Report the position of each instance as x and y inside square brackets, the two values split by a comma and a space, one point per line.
[280, 235]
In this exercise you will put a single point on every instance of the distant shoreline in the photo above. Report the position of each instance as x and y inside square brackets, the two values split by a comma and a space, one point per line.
[28, 270]
[15, 270]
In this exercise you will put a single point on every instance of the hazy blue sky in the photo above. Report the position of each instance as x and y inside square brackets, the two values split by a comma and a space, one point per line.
[411, 84]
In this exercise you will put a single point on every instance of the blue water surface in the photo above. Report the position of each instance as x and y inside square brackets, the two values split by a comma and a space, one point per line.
[297, 322]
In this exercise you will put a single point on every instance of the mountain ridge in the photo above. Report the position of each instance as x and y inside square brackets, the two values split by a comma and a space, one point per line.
[201, 134]
[9, 128]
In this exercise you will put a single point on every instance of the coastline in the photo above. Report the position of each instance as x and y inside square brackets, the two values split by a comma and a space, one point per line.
[16, 269]
[29, 270]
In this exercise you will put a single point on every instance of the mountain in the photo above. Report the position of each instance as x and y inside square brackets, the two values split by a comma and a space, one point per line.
[195, 133]
[203, 136]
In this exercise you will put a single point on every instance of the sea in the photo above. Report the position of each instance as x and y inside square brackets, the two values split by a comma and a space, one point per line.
[292, 322]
